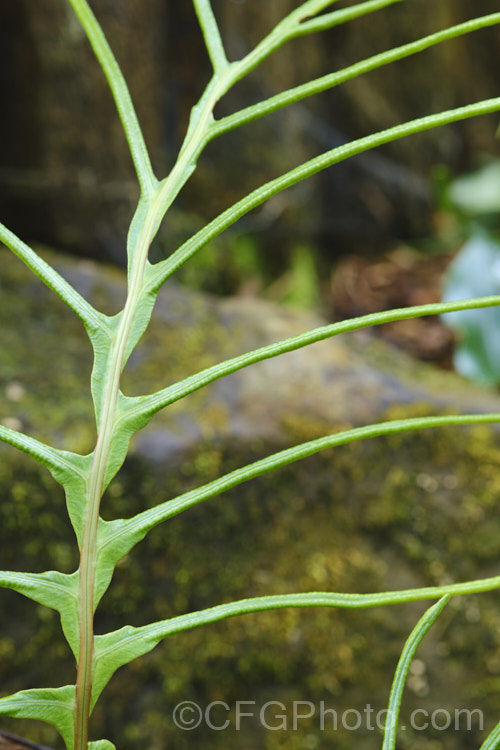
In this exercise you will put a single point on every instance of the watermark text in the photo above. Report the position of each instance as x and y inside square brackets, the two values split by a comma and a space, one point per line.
[276, 716]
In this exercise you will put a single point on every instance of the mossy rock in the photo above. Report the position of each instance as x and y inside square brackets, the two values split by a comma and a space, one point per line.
[398, 512]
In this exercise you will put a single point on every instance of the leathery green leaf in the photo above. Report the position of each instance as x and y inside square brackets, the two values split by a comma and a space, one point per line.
[402, 669]
[52, 589]
[93, 320]
[101, 346]
[69, 469]
[51, 705]
[120, 92]
[120, 647]
[135, 412]
[116, 538]
[492, 741]
[74, 478]
[60, 463]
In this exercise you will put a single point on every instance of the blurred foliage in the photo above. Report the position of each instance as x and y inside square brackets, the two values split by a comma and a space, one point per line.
[478, 194]
[231, 264]
[238, 264]
[475, 272]
[299, 286]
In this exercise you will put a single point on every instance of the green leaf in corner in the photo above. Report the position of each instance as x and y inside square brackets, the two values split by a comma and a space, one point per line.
[52, 589]
[69, 469]
[403, 667]
[117, 648]
[492, 741]
[52, 705]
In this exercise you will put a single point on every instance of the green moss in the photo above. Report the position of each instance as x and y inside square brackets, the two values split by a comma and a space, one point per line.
[403, 511]
[319, 525]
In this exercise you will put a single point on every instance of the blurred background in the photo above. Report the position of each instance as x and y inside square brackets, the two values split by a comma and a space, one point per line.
[379, 231]
[373, 232]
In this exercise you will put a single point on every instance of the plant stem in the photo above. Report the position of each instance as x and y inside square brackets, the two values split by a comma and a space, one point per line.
[88, 553]
[161, 199]
[143, 282]
[211, 34]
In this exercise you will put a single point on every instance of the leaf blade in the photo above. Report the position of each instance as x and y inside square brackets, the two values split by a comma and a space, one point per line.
[336, 17]
[167, 267]
[492, 741]
[117, 538]
[404, 663]
[115, 649]
[331, 80]
[71, 470]
[136, 412]
[54, 706]
[120, 93]
[53, 589]
[55, 460]
[211, 35]
[92, 319]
